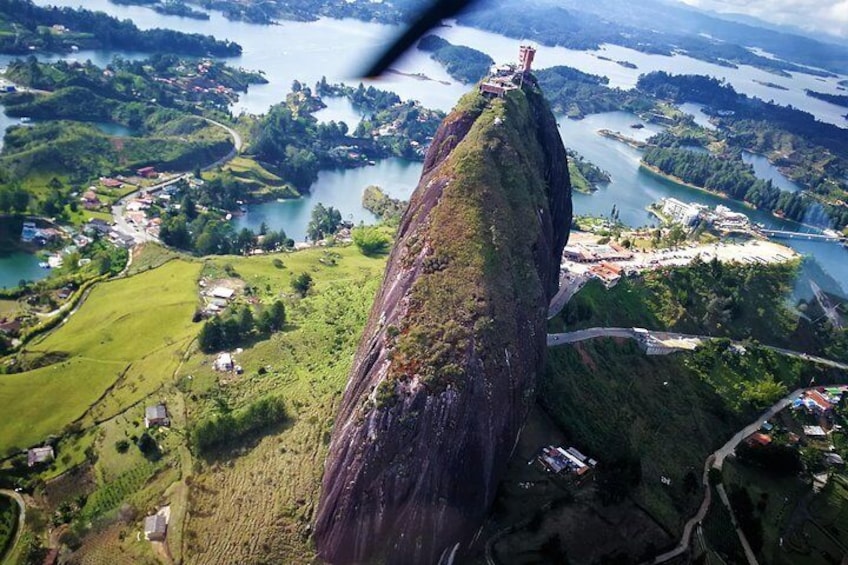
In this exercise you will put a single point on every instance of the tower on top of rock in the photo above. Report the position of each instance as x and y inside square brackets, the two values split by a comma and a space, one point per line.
[526, 54]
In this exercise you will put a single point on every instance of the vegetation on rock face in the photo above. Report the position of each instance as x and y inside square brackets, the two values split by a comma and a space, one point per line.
[462, 63]
[446, 368]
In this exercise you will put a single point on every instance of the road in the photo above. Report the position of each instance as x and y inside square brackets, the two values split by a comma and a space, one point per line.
[21, 518]
[569, 285]
[555, 340]
[716, 460]
[237, 144]
[123, 227]
[694, 521]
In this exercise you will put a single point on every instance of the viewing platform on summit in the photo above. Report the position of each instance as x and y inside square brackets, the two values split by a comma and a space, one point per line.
[503, 78]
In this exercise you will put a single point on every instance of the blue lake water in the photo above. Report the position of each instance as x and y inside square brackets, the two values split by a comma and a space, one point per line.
[338, 49]
[766, 171]
[17, 266]
[341, 189]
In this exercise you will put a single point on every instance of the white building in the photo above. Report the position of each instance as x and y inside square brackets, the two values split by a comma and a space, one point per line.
[680, 212]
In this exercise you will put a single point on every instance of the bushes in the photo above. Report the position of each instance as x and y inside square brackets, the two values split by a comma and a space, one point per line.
[370, 240]
[223, 429]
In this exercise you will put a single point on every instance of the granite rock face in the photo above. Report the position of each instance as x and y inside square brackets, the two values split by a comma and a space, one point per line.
[445, 373]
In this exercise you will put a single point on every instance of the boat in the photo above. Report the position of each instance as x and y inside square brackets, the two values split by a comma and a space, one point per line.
[44, 265]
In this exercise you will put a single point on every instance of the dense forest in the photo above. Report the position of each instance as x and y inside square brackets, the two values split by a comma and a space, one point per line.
[577, 94]
[462, 63]
[96, 30]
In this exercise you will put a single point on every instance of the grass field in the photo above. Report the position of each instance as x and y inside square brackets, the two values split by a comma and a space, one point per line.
[129, 334]
[256, 503]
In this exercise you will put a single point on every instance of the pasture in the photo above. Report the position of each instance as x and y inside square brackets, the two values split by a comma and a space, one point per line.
[123, 343]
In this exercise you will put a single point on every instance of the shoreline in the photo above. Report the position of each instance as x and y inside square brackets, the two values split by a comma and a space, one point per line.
[655, 171]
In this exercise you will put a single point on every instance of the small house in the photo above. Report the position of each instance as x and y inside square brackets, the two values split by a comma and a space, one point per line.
[814, 432]
[224, 362]
[147, 172]
[10, 327]
[90, 200]
[758, 438]
[223, 292]
[38, 455]
[156, 416]
[111, 183]
[155, 528]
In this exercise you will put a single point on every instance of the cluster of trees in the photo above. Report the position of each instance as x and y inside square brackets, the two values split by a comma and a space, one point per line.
[410, 122]
[14, 199]
[462, 63]
[224, 429]
[286, 141]
[324, 222]
[97, 30]
[729, 175]
[577, 93]
[366, 99]
[207, 234]
[220, 333]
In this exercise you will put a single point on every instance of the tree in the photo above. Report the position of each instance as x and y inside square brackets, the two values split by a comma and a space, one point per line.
[211, 336]
[246, 321]
[273, 318]
[324, 222]
[302, 283]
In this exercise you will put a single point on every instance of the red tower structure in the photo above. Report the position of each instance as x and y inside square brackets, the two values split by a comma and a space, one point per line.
[526, 54]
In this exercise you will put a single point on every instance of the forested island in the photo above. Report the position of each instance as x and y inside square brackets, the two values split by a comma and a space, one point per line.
[585, 176]
[581, 26]
[167, 7]
[29, 28]
[462, 63]
[577, 94]
[838, 99]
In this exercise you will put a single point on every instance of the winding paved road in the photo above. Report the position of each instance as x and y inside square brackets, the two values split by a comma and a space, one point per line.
[21, 517]
[555, 340]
